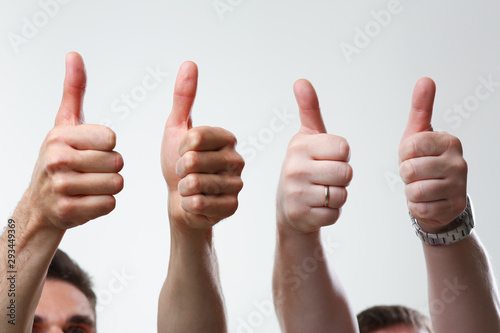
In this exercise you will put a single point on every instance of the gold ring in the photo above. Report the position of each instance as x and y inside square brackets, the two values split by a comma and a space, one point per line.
[327, 195]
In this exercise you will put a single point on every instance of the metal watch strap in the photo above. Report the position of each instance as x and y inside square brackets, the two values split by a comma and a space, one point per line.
[464, 224]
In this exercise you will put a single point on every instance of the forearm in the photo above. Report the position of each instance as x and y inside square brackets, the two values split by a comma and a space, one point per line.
[462, 290]
[191, 299]
[306, 297]
[33, 250]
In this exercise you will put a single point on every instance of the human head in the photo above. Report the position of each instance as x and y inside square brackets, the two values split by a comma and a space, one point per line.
[385, 317]
[67, 302]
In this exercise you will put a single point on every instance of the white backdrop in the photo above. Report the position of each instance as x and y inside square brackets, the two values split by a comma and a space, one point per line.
[363, 64]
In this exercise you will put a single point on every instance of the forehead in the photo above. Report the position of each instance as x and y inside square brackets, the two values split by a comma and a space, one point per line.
[60, 301]
[400, 328]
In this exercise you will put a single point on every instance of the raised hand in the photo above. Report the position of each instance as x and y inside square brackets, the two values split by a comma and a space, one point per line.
[200, 165]
[431, 165]
[76, 174]
[315, 162]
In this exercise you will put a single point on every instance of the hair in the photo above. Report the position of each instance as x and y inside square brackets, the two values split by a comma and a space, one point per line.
[379, 317]
[62, 268]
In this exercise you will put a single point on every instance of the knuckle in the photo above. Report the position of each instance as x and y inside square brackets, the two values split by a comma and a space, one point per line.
[107, 205]
[424, 145]
[228, 136]
[340, 197]
[463, 167]
[335, 214]
[238, 163]
[57, 160]
[110, 137]
[406, 148]
[232, 141]
[194, 137]
[415, 191]
[348, 173]
[55, 135]
[118, 162]
[59, 184]
[418, 210]
[295, 171]
[191, 160]
[65, 208]
[343, 196]
[197, 203]
[419, 191]
[110, 203]
[118, 183]
[193, 182]
[296, 213]
[233, 163]
[296, 145]
[344, 149]
[293, 194]
[459, 205]
[407, 171]
[239, 185]
[455, 144]
[212, 188]
[458, 165]
[233, 204]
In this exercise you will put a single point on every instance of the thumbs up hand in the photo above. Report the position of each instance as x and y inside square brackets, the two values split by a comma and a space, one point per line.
[315, 172]
[431, 165]
[76, 174]
[200, 165]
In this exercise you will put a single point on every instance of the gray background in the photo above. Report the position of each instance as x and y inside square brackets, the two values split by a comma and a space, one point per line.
[249, 56]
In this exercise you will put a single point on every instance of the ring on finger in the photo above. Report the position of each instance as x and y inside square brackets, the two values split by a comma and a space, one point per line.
[327, 196]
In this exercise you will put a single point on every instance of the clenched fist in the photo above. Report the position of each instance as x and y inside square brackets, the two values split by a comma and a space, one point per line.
[200, 165]
[76, 174]
[431, 165]
[315, 172]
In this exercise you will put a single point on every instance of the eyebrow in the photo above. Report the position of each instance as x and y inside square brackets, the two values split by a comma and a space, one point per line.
[79, 319]
[76, 319]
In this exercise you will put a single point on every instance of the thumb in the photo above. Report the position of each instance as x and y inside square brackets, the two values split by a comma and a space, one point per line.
[184, 95]
[422, 101]
[310, 114]
[70, 112]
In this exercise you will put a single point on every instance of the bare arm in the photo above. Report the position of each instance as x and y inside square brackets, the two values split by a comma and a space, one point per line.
[191, 299]
[202, 171]
[74, 180]
[32, 250]
[306, 297]
[462, 292]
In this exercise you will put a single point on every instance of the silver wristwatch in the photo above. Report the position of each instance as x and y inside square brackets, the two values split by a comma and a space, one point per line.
[462, 228]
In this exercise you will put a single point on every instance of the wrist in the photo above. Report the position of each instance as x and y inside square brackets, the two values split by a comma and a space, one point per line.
[32, 224]
[460, 228]
[285, 230]
[180, 230]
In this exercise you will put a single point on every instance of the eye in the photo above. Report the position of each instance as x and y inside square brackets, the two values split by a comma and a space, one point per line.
[36, 329]
[76, 329]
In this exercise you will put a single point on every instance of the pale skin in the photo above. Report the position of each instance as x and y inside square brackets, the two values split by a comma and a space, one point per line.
[316, 302]
[203, 175]
[63, 309]
[462, 292]
[435, 174]
[400, 329]
[74, 181]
